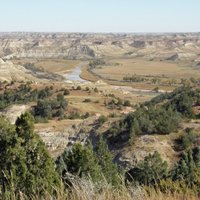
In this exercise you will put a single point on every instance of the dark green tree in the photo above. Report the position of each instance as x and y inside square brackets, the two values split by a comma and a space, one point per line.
[149, 171]
[41, 173]
[79, 161]
[188, 168]
[66, 92]
[105, 161]
[25, 163]
[8, 149]
[43, 109]
[134, 131]
[196, 156]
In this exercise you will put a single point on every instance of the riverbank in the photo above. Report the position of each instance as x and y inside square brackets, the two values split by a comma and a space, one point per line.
[88, 75]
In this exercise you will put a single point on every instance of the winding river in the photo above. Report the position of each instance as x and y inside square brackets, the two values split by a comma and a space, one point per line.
[75, 76]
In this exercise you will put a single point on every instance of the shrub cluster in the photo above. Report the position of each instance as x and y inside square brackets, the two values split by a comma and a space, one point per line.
[47, 109]
[23, 94]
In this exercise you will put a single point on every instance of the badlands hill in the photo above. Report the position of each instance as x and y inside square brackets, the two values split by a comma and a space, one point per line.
[13, 72]
[169, 47]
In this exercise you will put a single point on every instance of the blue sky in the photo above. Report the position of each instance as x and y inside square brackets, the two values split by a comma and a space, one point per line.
[100, 15]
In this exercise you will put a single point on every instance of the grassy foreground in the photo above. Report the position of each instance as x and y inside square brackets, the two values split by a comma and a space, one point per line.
[82, 189]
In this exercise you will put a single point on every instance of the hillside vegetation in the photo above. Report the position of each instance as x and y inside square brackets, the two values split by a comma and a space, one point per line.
[89, 170]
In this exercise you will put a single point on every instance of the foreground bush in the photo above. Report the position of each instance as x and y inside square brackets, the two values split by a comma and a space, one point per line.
[149, 171]
[84, 162]
[25, 163]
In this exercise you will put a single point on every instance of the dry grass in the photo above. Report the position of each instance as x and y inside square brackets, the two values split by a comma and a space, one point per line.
[145, 68]
[96, 105]
[86, 190]
[116, 69]
[58, 66]
[57, 125]
[85, 74]
[51, 65]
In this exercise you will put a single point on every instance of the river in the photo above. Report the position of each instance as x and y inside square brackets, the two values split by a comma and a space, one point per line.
[75, 76]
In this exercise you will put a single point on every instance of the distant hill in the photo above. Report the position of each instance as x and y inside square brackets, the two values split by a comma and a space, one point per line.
[87, 45]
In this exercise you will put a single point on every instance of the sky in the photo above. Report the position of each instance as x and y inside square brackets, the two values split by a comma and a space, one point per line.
[100, 15]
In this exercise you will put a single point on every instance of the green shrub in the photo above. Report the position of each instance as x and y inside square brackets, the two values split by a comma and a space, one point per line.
[85, 162]
[74, 115]
[87, 114]
[102, 119]
[66, 92]
[87, 88]
[189, 138]
[112, 115]
[87, 100]
[188, 169]
[78, 87]
[96, 90]
[149, 171]
[80, 161]
[127, 103]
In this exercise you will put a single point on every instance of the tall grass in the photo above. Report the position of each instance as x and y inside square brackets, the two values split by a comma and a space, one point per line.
[84, 189]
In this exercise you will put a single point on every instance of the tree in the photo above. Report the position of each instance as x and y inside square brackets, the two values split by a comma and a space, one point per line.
[41, 173]
[149, 171]
[61, 101]
[44, 109]
[188, 168]
[60, 97]
[153, 120]
[102, 119]
[127, 103]
[25, 126]
[105, 161]
[8, 145]
[78, 87]
[66, 92]
[25, 162]
[96, 90]
[80, 161]
[84, 162]
[134, 131]
[196, 156]
[183, 104]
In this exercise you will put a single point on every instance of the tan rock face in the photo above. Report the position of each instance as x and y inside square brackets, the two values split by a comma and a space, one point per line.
[9, 72]
[58, 136]
[146, 145]
[13, 112]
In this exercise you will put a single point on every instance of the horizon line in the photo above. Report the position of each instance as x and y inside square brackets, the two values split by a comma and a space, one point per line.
[104, 32]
